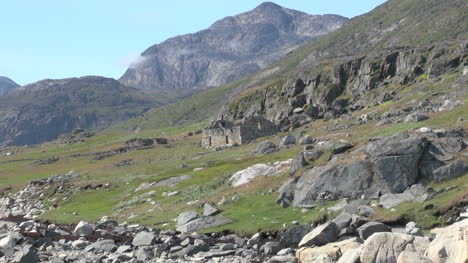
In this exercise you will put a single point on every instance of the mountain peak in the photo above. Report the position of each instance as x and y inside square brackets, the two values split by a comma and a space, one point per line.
[247, 42]
[6, 84]
[268, 5]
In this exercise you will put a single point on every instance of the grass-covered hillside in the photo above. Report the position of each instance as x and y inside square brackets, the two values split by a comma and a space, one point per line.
[253, 207]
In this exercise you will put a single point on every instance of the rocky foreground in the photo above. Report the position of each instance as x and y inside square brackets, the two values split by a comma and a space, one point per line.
[347, 238]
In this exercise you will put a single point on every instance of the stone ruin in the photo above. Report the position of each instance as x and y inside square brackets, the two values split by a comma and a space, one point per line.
[225, 133]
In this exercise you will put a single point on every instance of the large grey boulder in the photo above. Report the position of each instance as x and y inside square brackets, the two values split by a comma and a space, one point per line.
[271, 248]
[453, 170]
[341, 147]
[413, 257]
[306, 140]
[202, 223]
[321, 235]
[265, 148]
[351, 256]
[368, 229]
[400, 144]
[313, 155]
[8, 242]
[144, 254]
[342, 221]
[288, 140]
[209, 209]
[26, 254]
[416, 117]
[391, 200]
[294, 235]
[106, 245]
[186, 217]
[395, 160]
[330, 252]
[357, 175]
[450, 244]
[386, 247]
[83, 229]
[297, 163]
[143, 238]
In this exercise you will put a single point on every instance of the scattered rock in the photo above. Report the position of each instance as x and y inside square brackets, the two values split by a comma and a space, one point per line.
[202, 223]
[265, 148]
[143, 238]
[416, 117]
[209, 209]
[321, 235]
[186, 217]
[287, 141]
[297, 163]
[366, 230]
[411, 229]
[83, 229]
[306, 140]
[341, 148]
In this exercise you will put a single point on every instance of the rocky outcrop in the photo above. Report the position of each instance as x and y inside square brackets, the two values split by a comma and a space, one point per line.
[327, 91]
[232, 48]
[385, 168]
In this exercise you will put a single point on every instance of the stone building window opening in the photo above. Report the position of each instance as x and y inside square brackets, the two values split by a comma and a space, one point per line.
[210, 141]
[227, 139]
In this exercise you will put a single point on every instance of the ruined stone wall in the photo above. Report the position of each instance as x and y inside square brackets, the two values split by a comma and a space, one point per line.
[221, 137]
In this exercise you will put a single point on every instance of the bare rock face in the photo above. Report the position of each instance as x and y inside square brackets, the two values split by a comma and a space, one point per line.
[231, 48]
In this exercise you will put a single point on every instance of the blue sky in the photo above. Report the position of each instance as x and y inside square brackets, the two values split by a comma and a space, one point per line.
[63, 38]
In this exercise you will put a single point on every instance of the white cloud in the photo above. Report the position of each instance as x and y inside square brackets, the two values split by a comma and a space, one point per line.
[132, 60]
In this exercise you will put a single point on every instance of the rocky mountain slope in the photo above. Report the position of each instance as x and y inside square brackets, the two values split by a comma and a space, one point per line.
[6, 85]
[43, 110]
[366, 62]
[344, 71]
[231, 48]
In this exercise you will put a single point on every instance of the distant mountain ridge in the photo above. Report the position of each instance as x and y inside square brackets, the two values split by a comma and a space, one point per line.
[43, 110]
[232, 48]
[6, 84]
